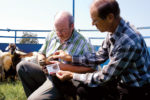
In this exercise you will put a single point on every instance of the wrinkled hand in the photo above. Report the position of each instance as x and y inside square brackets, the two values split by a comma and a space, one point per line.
[64, 75]
[52, 62]
[62, 55]
[50, 58]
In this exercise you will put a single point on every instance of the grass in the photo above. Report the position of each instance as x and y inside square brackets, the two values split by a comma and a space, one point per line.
[12, 91]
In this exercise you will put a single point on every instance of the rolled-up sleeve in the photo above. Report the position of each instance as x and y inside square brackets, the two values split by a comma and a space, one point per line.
[93, 59]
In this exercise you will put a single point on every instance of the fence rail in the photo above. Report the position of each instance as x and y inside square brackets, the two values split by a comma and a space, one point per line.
[80, 30]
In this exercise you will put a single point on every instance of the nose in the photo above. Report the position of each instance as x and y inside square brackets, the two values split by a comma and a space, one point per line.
[59, 33]
[92, 23]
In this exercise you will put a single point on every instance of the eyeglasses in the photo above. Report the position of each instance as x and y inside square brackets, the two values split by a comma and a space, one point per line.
[61, 31]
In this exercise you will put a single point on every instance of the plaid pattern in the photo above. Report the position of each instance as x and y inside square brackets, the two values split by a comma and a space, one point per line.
[76, 45]
[129, 59]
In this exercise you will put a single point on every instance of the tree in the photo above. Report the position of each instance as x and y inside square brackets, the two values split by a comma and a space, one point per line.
[33, 40]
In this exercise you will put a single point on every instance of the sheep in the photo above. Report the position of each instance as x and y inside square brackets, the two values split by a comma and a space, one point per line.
[14, 56]
[1, 67]
[5, 62]
[10, 59]
[7, 66]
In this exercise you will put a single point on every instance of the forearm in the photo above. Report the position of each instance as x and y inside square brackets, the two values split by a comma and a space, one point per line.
[76, 69]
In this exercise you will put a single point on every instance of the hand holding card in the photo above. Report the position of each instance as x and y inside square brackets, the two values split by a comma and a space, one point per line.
[53, 68]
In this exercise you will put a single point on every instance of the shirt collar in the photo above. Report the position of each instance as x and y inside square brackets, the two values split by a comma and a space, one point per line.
[70, 39]
[74, 34]
[119, 30]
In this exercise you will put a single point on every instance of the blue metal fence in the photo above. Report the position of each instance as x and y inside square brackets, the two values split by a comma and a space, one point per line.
[23, 47]
[15, 31]
[35, 47]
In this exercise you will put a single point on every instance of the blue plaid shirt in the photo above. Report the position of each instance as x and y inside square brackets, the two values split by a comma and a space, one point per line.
[129, 59]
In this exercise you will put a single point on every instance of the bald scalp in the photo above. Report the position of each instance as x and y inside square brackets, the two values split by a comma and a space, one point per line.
[62, 17]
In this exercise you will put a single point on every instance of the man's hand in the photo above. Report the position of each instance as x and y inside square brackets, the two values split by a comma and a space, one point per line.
[64, 75]
[44, 68]
[52, 62]
[62, 55]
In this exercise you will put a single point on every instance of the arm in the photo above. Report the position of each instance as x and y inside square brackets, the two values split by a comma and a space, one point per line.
[89, 59]
[117, 65]
[122, 58]
[76, 69]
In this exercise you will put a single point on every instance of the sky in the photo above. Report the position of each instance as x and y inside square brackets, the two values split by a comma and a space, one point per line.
[39, 14]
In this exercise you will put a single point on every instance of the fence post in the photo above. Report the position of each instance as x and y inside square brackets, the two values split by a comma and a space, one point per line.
[15, 36]
[73, 8]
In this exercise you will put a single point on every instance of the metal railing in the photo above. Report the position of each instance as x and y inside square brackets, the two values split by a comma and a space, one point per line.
[15, 31]
[80, 30]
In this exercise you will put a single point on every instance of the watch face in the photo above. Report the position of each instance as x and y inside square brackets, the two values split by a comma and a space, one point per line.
[53, 68]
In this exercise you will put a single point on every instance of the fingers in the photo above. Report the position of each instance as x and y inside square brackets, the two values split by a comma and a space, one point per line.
[51, 58]
[64, 75]
[49, 62]
[59, 74]
[52, 62]
[58, 52]
[56, 56]
[62, 55]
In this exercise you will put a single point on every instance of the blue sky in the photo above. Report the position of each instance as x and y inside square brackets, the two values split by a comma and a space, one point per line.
[39, 14]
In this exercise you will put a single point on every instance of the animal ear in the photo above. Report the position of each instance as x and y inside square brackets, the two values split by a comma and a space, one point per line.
[7, 48]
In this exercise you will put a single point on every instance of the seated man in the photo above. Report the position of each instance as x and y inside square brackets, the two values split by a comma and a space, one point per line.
[36, 84]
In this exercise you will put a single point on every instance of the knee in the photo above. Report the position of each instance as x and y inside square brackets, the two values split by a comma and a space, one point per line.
[40, 97]
[32, 98]
[20, 67]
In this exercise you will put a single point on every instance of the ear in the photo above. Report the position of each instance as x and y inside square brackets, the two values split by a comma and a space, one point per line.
[110, 18]
[72, 26]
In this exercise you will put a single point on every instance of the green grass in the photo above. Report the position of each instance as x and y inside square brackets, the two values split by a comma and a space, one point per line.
[12, 91]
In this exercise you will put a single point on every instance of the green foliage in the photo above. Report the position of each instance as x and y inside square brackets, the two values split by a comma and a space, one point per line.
[12, 91]
[30, 40]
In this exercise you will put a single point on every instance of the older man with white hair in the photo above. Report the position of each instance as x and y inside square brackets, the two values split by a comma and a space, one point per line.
[36, 84]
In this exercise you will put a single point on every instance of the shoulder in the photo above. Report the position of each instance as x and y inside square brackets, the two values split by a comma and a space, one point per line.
[79, 36]
[131, 37]
[51, 35]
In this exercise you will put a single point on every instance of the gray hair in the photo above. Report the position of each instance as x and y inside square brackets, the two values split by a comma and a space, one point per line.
[70, 17]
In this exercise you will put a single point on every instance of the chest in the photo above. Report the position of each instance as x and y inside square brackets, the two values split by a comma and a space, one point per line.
[112, 48]
[70, 48]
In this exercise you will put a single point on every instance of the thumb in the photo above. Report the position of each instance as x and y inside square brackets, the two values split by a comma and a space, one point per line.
[56, 56]
[57, 52]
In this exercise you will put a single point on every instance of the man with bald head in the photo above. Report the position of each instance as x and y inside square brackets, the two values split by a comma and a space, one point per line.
[38, 85]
